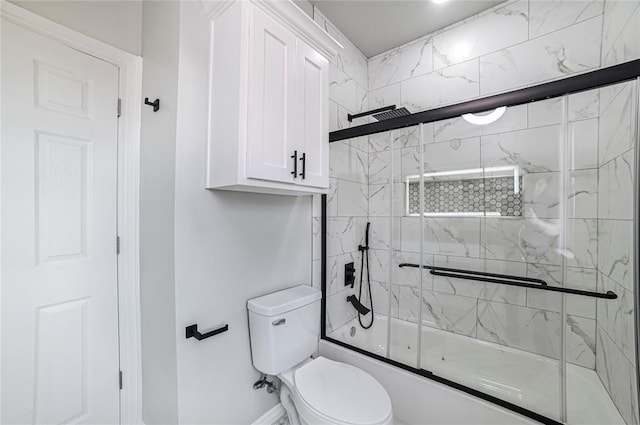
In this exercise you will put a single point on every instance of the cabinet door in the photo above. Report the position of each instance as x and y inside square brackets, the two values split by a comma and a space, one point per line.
[312, 115]
[271, 133]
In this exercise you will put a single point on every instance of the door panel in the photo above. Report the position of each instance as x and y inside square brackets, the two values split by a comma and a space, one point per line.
[313, 128]
[59, 265]
[62, 170]
[271, 131]
[65, 321]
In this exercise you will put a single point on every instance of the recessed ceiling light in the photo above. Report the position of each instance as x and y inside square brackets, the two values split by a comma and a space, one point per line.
[439, 1]
[485, 119]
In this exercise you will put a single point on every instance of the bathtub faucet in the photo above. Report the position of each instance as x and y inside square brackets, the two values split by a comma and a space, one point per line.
[358, 305]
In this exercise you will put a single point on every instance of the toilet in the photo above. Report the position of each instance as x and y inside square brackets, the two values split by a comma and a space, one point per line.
[285, 328]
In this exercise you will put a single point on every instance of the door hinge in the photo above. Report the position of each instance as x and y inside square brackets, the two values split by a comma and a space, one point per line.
[117, 244]
[119, 107]
[120, 379]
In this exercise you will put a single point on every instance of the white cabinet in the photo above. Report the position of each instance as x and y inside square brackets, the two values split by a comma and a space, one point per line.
[269, 124]
[312, 115]
[271, 138]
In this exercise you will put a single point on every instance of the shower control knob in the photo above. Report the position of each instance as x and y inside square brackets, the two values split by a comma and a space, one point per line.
[349, 274]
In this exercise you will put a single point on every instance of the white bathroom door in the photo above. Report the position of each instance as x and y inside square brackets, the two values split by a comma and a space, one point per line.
[58, 233]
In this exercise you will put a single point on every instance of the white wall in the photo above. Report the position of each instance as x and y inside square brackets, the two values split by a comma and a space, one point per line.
[230, 247]
[203, 253]
[113, 22]
[160, 32]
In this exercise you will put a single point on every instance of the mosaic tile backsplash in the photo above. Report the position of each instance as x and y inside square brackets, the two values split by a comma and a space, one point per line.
[488, 195]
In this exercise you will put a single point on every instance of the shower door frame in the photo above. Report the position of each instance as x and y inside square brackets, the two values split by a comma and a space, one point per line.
[624, 72]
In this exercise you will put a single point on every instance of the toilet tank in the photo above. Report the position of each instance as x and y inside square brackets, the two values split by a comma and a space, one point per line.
[284, 328]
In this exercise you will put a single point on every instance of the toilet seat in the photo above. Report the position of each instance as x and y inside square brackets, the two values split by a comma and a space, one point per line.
[339, 393]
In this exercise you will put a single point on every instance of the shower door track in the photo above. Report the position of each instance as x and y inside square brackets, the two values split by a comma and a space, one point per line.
[590, 80]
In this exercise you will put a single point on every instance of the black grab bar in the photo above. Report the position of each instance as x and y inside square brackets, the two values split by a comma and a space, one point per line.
[520, 281]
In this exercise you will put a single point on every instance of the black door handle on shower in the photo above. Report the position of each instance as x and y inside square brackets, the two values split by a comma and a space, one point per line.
[295, 164]
[192, 331]
[304, 165]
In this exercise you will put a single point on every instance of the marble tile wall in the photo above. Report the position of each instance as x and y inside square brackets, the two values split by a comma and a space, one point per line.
[616, 336]
[347, 198]
[539, 41]
[528, 136]
[348, 79]
[347, 212]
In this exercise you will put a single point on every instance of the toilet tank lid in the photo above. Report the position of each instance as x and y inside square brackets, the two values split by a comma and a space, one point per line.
[282, 301]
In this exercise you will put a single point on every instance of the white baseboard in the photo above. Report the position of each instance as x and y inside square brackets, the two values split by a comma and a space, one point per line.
[273, 416]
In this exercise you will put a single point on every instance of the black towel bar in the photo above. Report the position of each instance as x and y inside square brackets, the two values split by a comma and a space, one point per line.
[503, 279]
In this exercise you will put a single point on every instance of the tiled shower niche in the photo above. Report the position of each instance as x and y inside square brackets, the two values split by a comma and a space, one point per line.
[471, 197]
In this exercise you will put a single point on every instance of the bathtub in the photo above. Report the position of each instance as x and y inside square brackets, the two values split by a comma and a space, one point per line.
[519, 377]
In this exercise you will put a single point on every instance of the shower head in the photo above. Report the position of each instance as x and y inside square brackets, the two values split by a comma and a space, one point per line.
[381, 114]
[394, 113]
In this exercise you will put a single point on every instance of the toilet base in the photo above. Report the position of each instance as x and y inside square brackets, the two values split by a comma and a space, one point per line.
[286, 398]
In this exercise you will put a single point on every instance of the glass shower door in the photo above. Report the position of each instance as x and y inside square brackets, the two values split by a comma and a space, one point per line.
[406, 282]
[467, 232]
[600, 335]
[488, 232]
[542, 197]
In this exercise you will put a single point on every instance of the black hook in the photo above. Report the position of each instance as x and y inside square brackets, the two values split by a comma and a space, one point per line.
[155, 104]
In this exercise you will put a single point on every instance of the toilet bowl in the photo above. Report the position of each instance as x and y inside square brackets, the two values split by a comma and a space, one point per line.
[284, 328]
[324, 391]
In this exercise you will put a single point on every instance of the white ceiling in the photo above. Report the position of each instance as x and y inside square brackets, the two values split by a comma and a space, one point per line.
[375, 26]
